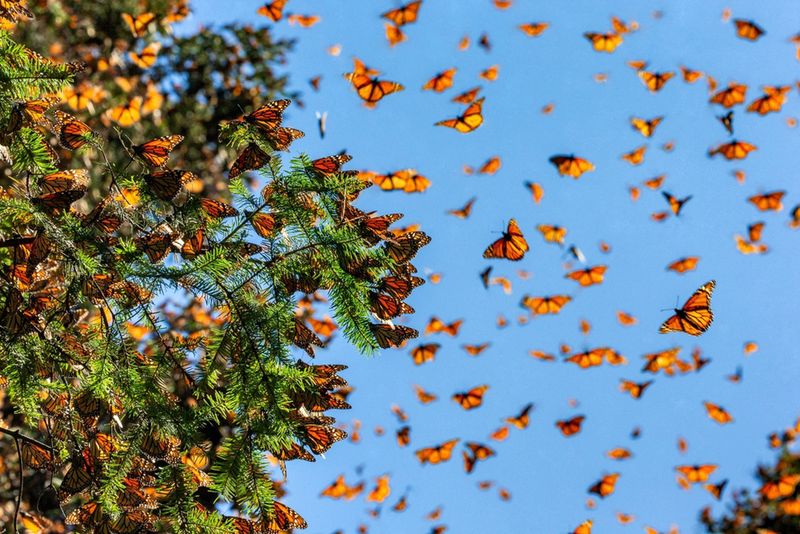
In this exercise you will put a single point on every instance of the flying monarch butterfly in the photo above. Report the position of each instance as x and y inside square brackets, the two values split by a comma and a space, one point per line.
[780, 488]
[491, 166]
[440, 82]
[747, 247]
[398, 286]
[754, 231]
[468, 121]
[252, 157]
[477, 452]
[636, 389]
[733, 150]
[695, 316]
[72, 133]
[604, 42]
[748, 29]
[552, 233]
[156, 151]
[717, 413]
[663, 360]
[436, 454]
[570, 427]
[81, 96]
[533, 29]
[304, 21]
[465, 211]
[689, 75]
[569, 165]
[490, 74]
[330, 164]
[771, 102]
[139, 25]
[217, 209]
[545, 305]
[392, 336]
[476, 350]
[522, 419]
[682, 265]
[726, 121]
[268, 117]
[405, 14]
[772, 201]
[655, 81]
[272, 10]
[282, 138]
[370, 89]
[147, 57]
[619, 453]
[403, 436]
[636, 156]
[511, 246]
[646, 127]
[413, 182]
[403, 248]
[469, 400]
[381, 491]
[589, 276]
[423, 396]
[536, 190]
[394, 34]
[589, 358]
[695, 474]
[675, 204]
[734, 94]
[127, 114]
[467, 97]
[167, 184]
[605, 486]
[716, 489]
[436, 325]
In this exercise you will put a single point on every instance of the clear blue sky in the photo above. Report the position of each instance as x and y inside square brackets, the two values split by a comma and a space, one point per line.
[756, 296]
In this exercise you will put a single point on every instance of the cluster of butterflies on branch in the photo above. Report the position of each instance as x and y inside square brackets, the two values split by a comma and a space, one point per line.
[694, 317]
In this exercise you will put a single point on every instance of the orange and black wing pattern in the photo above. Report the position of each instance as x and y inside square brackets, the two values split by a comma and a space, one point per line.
[695, 316]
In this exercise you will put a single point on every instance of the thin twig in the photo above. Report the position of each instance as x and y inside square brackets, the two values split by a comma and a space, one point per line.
[21, 485]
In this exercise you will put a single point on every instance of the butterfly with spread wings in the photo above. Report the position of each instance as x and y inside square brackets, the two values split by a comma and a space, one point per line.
[468, 121]
[695, 316]
[512, 246]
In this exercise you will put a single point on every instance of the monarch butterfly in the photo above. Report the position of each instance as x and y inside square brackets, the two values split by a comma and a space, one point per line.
[387, 307]
[440, 82]
[465, 211]
[772, 201]
[167, 184]
[272, 10]
[127, 114]
[683, 265]
[572, 426]
[403, 248]
[469, 400]
[475, 350]
[156, 245]
[252, 157]
[533, 29]
[156, 152]
[717, 413]
[217, 209]
[436, 325]
[138, 25]
[511, 246]
[589, 276]
[695, 316]
[320, 438]
[392, 336]
[589, 358]
[733, 150]
[147, 57]
[689, 75]
[282, 138]
[370, 89]
[412, 181]
[522, 419]
[552, 233]
[438, 453]
[403, 436]
[268, 117]
[748, 29]
[304, 21]
[468, 121]
[467, 97]
[282, 518]
[405, 14]
[394, 34]
[655, 81]
[675, 204]
[545, 305]
[90, 514]
[619, 453]
[636, 156]
[60, 181]
[339, 489]
[477, 452]
[490, 74]
[604, 42]
[569, 165]
[423, 396]
[726, 121]
[330, 164]
[636, 389]
[536, 190]
[733, 95]
[61, 200]
[381, 490]
[771, 102]
[398, 286]
[716, 489]
[605, 486]
[646, 127]
[584, 528]
[79, 477]
[29, 112]
[72, 133]
[37, 457]
[294, 452]
[193, 245]
[696, 473]
[782, 487]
